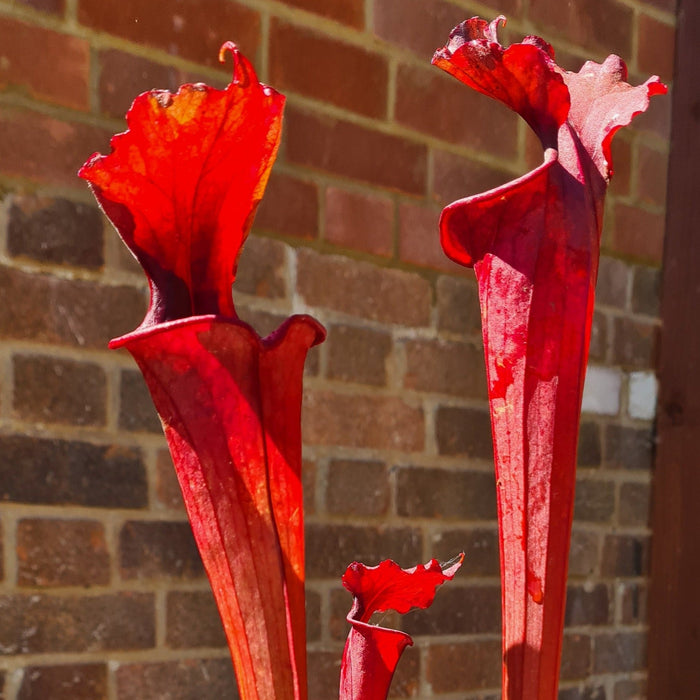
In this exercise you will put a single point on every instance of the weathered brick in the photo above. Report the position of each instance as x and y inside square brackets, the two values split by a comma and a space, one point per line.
[480, 547]
[358, 354]
[379, 422]
[598, 347]
[289, 207]
[53, 552]
[192, 620]
[633, 603]
[458, 610]
[646, 290]
[634, 504]
[42, 624]
[583, 692]
[406, 680]
[589, 445]
[351, 12]
[651, 182]
[595, 501]
[441, 493]
[309, 469]
[458, 306]
[419, 239]
[313, 616]
[628, 448]
[634, 343]
[58, 73]
[625, 555]
[136, 411]
[453, 668]
[584, 553]
[359, 221]
[167, 487]
[158, 549]
[261, 269]
[588, 605]
[65, 682]
[621, 180]
[463, 431]
[55, 231]
[576, 655]
[54, 472]
[52, 6]
[593, 24]
[324, 681]
[330, 549]
[630, 690]
[457, 177]
[434, 103]
[353, 151]
[327, 69]
[53, 390]
[357, 488]
[613, 282]
[656, 47]
[619, 653]
[445, 368]
[39, 147]
[75, 312]
[187, 679]
[638, 233]
[192, 29]
[361, 289]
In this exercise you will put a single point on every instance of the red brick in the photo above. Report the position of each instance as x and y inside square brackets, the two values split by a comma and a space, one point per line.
[357, 487]
[634, 505]
[309, 469]
[56, 231]
[123, 76]
[192, 29]
[332, 548]
[136, 410]
[598, 348]
[51, 6]
[313, 616]
[324, 680]
[656, 47]
[584, 553]
[458, 306]
[583, 692]
[167, 487]
[634, 343]
[458, 610]
[289, 207]
[265, 323]
[464, 431]
[436, 366]
[453, 668]
[42, 624]
[61, 553]
[326, 69]
[158, 549]
[630, 690]
[646, 290]
[48, 309]
[42, 148]
[594, 24]
[657, 118]
[350, 12]
[358, 354]
[419, 239]
[457, 177]
[445, 494]
[359, 221]
[192, 620]
[406, 680]
[625, 555]
[595, 501]
[48, 389]
[363, 290]
[353, 151]
[436, 104]
[262, 268]
[620, 653]
[588, 605]
[57, 71]
[622, 166]
[423, 26]
[638, 233]
[576, 657]
[651, 179]
[189, 679]
[479, 545]
[633, 603]
[613, 282]
[66, 682]
[378, 422]
[59, 472]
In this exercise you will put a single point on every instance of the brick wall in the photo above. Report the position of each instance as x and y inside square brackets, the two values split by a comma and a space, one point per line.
[102, 594]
